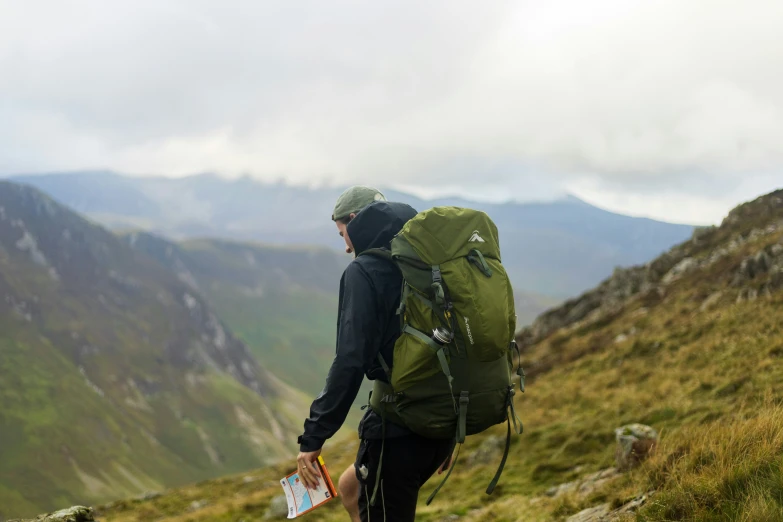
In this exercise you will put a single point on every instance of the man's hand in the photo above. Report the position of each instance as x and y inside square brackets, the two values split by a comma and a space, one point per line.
[443, 467]
[308, 470]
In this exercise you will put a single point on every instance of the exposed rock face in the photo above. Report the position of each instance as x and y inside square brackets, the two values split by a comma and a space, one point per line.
[585, 485]
[635, 443]
[759, 274]
[593, 514]
[604, 513]
[73, 514]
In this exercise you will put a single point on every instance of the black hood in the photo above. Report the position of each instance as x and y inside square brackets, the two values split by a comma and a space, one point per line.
[377, 224]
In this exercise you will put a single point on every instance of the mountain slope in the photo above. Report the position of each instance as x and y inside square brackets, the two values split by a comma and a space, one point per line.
[689, 344]
[116, 377]
[280, 300]
[554, 249]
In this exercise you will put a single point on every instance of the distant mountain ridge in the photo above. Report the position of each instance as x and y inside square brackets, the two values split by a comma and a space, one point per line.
[116, 377]
[554, 249]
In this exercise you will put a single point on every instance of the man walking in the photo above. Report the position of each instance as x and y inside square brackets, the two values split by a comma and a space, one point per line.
[367, 325]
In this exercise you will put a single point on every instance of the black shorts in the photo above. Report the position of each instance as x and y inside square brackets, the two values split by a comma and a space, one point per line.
[408, 462]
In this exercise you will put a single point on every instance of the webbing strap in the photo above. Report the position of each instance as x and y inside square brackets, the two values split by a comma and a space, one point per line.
[463, 417]
[422, 337]
[442, 482]
[495, 480]
[480, 262]
[385, 366]
[404, 297]
[438, 349]
[437, 286]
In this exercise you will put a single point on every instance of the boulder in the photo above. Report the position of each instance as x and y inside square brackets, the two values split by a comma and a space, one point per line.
[489, 451]
[711, 301]
[635, 443]
[683, 267]
[603, 513]
[593, 514]
[585, 485]
[72, 514]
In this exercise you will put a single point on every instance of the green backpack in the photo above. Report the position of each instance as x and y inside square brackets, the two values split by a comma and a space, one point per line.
[451, 373]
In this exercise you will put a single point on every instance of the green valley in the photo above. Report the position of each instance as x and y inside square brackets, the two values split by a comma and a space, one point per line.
[115, 376]
[282, 301]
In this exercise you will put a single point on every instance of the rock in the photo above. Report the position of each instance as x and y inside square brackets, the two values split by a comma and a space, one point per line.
[602, 513]
[747, 294]
[278, 508]
[489, 451]
[450, 518]
[633, 505]
[593, 514]
[620, 339]
[585, 485]
[635, 442]
[710, 301]
[72, 514]
[751, 267]
[197, 504]
[683, 267]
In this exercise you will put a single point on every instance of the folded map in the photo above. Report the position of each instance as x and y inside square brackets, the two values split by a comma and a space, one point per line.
[302, 500]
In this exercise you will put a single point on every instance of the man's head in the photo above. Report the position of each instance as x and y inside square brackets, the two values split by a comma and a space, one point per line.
[350, 203]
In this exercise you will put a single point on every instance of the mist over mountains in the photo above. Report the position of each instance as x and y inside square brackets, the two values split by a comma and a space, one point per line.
[553, 249]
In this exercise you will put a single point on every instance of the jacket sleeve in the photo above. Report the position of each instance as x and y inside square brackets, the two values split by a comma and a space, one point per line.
[358, 342]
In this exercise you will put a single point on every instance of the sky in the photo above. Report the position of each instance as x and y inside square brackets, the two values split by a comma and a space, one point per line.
[669, 109]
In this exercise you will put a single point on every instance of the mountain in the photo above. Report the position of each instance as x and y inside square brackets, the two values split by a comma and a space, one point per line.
[555, 249]
[116, 376]
[688, 344]
[281, 301]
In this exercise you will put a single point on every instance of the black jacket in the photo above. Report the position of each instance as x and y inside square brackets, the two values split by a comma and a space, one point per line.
[366, 324]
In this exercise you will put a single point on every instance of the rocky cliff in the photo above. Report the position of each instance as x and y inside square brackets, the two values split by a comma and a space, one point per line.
[759, 272]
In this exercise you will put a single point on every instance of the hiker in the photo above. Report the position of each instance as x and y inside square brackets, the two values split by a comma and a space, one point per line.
[367, 325]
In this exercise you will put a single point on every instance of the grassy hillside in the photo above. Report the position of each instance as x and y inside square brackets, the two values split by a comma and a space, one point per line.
[115, 376]
[689, 344]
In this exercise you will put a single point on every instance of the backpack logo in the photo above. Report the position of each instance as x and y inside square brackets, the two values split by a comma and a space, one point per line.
[476, 238]
[467, 326]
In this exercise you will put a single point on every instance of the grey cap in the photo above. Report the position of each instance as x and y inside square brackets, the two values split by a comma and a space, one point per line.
[354, 199]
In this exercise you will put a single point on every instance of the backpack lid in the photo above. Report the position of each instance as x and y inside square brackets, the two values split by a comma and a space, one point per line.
[443, 233]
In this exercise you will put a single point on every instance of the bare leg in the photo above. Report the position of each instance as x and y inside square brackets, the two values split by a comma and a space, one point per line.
[349, 493]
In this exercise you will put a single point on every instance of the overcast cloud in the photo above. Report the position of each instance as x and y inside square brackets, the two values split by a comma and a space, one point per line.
[672, 109]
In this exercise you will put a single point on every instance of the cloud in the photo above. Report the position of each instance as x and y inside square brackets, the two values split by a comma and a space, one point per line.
[633, 98]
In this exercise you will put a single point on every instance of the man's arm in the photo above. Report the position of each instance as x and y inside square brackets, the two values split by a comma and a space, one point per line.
[358, 341]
